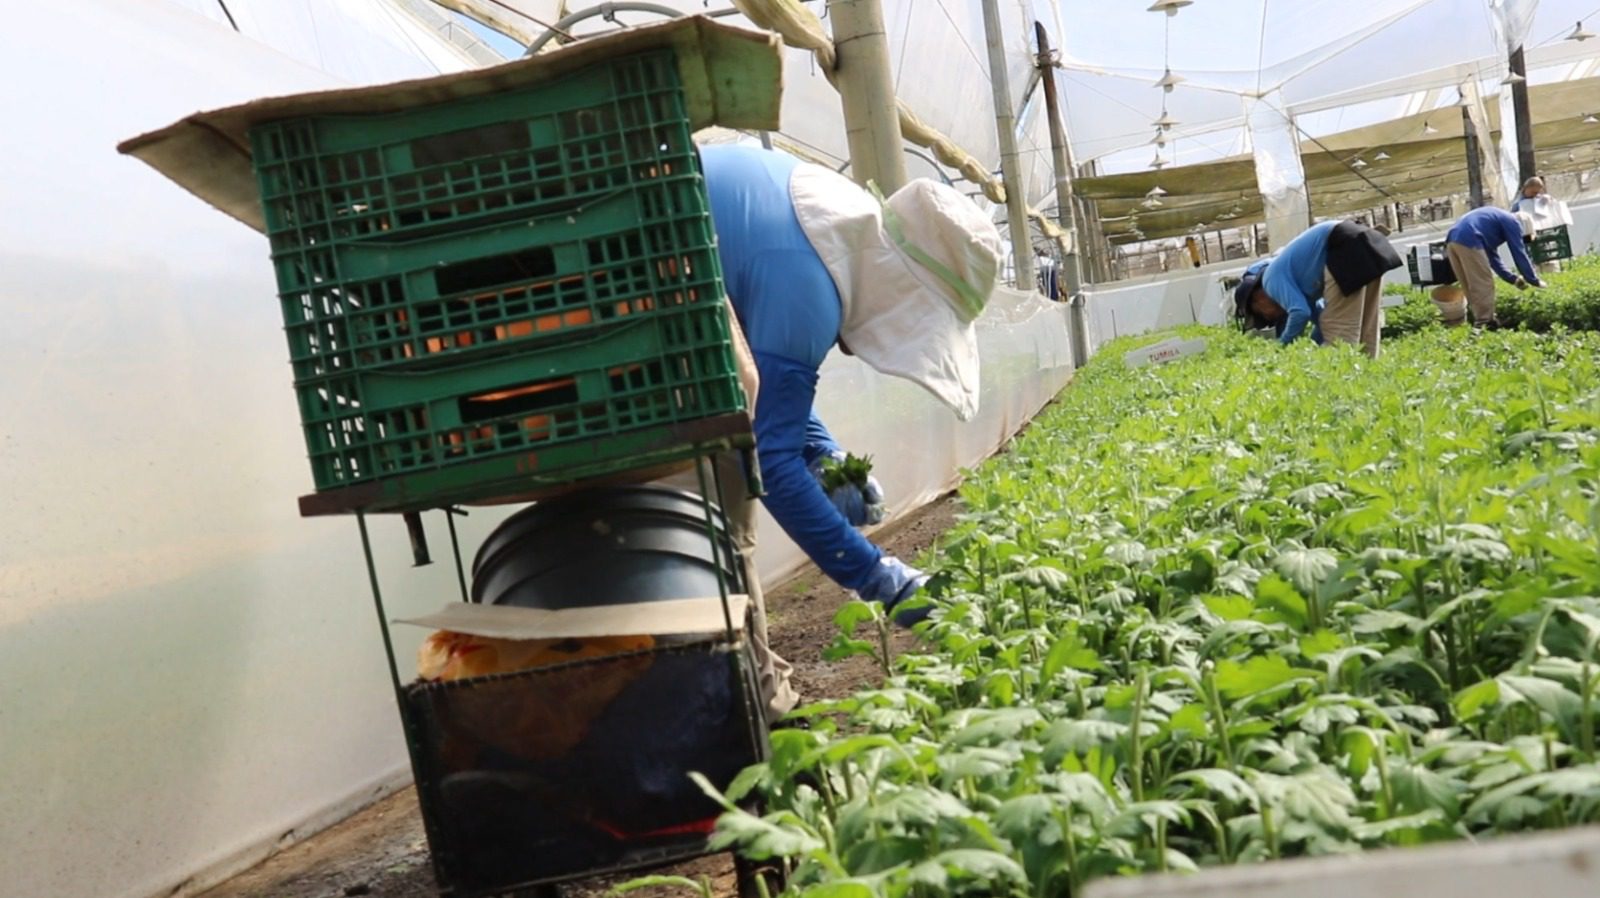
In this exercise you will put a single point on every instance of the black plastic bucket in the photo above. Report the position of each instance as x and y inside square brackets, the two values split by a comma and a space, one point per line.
[604, 547]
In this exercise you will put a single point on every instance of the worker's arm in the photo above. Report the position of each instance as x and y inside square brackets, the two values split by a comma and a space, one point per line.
[1519, 255]
[819, 442]
[794, 498]
[1299, 309]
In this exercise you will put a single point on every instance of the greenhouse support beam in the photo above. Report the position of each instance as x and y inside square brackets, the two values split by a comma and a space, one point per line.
[866, 91]
[1526, 166]
[1474, 160]
[1005, 124]
[1061, 155]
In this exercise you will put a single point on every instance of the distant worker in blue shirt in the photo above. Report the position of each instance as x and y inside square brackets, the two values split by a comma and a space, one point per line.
[1260, 315]
[1473, 246]
[811, 260]
[1341, 264]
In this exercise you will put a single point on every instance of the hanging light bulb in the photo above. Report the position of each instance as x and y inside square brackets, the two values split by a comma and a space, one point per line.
[1156, 191]
[1158, 163]
[1160, 139]
[1169, 81]
[1166, 121]
[1512, 78]
[1381, 157]
[1590, 119]
[1359, 163]
[1170, 7]
[1579, 33]
[1428, 129]
[1151, 203]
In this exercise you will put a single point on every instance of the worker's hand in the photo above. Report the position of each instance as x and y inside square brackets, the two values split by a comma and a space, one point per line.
[861, 506]
[1520, 283]
[892, 583]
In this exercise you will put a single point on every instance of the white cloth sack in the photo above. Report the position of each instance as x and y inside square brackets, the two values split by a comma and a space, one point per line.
[1545, 210]
[913, 273]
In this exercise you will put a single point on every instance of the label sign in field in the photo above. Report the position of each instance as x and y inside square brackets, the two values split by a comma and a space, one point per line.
[1165, 351]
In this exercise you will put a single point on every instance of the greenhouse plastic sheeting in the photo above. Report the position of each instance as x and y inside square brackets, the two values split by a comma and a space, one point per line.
[1280, 177]
[1512, 21]
[1320, 54]
[938, 57]
[188, 670]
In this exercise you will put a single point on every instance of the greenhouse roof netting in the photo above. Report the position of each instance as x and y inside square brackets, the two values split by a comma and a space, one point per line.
[1314, 54]
[1409, 158]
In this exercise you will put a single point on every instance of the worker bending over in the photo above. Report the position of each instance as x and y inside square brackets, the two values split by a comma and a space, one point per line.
[1473, 246]
[811, 260]
[1341, 263]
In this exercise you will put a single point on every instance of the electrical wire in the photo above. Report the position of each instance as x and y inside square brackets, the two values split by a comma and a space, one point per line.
[1261, 46]
[1552, 38]
[978, 60]
[229, 15]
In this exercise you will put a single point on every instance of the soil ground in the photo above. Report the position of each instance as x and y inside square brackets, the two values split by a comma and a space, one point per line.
[382, 851]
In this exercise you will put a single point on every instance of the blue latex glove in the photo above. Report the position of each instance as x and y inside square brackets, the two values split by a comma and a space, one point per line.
[892, 582]
[861, 507]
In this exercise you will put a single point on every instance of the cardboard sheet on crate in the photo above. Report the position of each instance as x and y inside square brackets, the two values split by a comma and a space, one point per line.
[673, 617]
[731, 77]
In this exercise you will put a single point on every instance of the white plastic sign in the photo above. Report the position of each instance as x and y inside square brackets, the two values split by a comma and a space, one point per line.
[1165, 351]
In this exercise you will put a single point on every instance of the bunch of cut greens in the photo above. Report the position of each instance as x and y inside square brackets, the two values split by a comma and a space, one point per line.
[1258, 603]
[852, 470]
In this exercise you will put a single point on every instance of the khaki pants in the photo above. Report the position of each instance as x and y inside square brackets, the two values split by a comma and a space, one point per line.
[1352, 318]
[1476, 277]
[773, 674]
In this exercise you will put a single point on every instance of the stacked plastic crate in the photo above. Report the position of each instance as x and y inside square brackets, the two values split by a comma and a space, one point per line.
[513, 288]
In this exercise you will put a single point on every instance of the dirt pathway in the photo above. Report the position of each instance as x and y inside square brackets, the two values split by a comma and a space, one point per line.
[382, 851]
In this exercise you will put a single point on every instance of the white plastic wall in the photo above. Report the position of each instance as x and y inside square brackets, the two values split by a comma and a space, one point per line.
[190, 674]
[1147, 304]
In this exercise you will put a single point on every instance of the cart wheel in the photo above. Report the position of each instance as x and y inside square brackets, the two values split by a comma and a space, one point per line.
[749, 873]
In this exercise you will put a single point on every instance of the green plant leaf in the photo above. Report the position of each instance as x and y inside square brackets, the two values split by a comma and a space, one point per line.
[1275, 593]
[1068, 653]
[1469, 701]
[1256, 675]
[661, 882]
[967, 864]
[1230, 607]
[1305, 568]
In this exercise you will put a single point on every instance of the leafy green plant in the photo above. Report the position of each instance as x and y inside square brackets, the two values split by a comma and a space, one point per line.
[1570, 301]
[852, 470]
[1257, 603]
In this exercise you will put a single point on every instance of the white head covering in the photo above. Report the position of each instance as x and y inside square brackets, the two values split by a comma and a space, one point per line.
[1526, 220]
[913, 274]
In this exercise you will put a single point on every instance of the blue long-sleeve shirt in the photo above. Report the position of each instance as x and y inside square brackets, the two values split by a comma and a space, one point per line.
[1294, 279]
[790, 311]
[1488, 228]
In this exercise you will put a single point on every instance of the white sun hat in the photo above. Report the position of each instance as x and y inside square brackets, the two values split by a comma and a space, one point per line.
[913, 274]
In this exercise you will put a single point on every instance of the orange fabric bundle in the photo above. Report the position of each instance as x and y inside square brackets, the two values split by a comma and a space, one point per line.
[455, 656]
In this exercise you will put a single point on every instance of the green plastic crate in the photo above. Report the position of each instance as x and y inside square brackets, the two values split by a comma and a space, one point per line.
[604, 396]
[538, 150]
[1551, 245]
[553, 244]
[512, 286]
